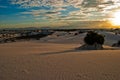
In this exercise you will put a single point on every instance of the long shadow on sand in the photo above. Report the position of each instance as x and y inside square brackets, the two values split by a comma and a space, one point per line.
[71, 50]
[62, 52]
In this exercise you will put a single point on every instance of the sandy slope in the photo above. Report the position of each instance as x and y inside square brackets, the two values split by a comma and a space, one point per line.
[64, 37]
[53, 61]
[110, 38]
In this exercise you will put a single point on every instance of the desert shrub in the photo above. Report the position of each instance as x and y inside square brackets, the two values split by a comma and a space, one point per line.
[99, 39]
[93, 37]
[119, 42]
[76, 34]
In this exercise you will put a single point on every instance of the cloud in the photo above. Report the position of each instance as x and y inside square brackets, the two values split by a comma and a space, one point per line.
[37, 3]
[37, 13]
[34, 12]
[61, 3]
[70, 9]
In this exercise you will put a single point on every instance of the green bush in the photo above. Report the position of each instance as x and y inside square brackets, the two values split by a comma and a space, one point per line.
[93, 37]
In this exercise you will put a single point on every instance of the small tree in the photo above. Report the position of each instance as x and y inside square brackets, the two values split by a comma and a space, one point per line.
[93, 37]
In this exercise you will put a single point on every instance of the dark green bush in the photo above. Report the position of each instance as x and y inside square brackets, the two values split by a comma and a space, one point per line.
[93, 37]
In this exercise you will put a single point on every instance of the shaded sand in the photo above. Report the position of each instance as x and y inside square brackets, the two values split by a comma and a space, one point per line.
[53, 61]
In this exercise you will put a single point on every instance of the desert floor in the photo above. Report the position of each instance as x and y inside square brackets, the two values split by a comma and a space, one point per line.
[51, 61]
[58, 59]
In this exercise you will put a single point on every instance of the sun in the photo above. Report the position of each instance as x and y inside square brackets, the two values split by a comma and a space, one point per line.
[116, 19]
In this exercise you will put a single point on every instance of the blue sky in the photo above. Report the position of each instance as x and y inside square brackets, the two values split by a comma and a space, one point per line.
[55, 13]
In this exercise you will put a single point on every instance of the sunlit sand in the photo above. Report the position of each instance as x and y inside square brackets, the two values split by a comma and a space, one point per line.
[56, 58]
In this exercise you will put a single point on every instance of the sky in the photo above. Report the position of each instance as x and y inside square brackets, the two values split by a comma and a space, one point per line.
[57, 13]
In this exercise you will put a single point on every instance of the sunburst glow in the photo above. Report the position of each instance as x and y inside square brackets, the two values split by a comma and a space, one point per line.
[116, 19]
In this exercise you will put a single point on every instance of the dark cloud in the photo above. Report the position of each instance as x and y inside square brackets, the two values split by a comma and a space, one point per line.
[90, 3]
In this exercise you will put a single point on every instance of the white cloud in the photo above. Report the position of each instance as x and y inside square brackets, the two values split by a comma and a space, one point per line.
[88, 8]
[55, 3]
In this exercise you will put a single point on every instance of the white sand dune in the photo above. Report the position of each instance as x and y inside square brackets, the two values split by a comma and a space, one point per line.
[64, 37]
[51, 59]
[110, 37]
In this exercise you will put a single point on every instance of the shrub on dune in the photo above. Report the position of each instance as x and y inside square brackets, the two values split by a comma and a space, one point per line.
[93, 41]
[93, 37]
